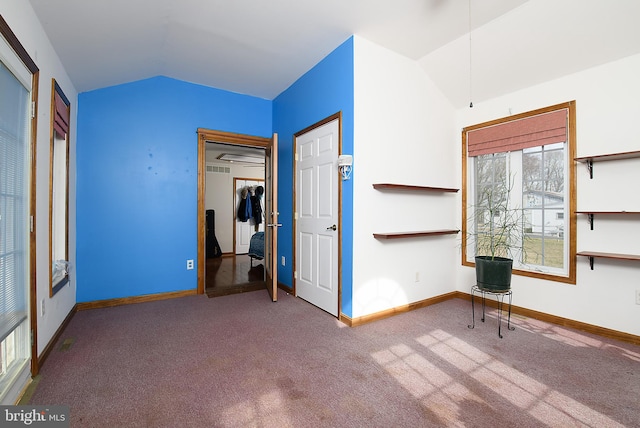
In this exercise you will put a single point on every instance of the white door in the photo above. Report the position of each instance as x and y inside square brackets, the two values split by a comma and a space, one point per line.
[317, 216]
[245, 229]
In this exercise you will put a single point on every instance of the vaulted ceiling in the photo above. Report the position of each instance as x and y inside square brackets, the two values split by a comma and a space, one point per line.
[259, 47]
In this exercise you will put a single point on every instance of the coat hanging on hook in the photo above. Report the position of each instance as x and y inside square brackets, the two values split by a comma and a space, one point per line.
[256, 204]
[245, 210]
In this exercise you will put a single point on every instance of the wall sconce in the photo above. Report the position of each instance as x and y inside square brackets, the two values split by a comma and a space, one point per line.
[345, 165]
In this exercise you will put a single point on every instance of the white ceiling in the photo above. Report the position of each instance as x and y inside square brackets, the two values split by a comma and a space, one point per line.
[260, 47]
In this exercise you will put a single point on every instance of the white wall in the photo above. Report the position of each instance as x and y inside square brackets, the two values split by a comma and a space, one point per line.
[607, 122]
[24, 23]
[404, 133]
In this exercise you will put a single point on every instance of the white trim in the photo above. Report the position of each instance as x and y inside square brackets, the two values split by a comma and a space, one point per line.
[20, 382]
[14, 64]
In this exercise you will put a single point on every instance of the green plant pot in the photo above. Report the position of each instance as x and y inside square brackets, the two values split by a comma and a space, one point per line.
[493, 274]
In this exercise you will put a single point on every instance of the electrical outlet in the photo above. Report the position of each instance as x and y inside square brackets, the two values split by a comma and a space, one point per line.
[42, 308]
[282, 261]
[190, 264]
[637, 297]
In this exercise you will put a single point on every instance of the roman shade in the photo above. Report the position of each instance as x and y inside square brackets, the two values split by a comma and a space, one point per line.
[61, 116]
[533, 131]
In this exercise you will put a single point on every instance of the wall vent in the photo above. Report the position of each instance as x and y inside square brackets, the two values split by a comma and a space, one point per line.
[219, 169]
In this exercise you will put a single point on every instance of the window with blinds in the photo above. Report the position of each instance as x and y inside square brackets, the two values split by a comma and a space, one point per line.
[14, 150]
[15, 168]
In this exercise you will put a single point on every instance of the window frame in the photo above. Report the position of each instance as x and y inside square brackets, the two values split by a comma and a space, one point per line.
[21, 53]
[467, 190]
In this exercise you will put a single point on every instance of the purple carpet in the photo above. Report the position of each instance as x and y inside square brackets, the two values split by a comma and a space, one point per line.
[243, 361]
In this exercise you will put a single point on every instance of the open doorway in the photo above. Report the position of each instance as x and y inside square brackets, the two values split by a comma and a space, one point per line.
[226, 161]
[239, 265]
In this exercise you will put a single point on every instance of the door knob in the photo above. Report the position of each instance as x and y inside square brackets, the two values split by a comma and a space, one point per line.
[332, 227]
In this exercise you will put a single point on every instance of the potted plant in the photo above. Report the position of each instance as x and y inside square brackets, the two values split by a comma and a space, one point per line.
[497, 232]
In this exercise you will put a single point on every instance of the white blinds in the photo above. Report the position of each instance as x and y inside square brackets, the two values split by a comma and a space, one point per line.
[14, 202]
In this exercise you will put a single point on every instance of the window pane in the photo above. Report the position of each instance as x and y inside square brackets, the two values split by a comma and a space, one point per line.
[543, 202]
[14, 151]
[59, 210]
[531, 167]
[492, 191]
[490, 168]
[541, 250]
[554, 170]
[537, 181]
[543, 196]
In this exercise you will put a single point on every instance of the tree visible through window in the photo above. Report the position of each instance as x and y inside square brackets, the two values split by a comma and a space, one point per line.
[530, 154]
[544, 201]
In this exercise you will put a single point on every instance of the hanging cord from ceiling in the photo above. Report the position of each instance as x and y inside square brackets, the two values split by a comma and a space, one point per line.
[470, 60]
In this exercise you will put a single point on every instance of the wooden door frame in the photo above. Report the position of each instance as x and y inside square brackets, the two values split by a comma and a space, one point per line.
[271, 217]
[318, 124]
[230, 138]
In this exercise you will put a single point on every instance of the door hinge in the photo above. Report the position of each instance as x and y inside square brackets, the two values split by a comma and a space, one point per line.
[295, 274]
[32, 337]
[295, 216]
[295, 157]
[31, 223]
[33, 109]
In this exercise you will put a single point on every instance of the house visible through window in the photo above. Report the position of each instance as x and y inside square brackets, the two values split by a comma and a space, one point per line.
[531, 155]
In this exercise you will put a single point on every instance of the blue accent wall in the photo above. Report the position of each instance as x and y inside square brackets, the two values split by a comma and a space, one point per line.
[137, 181]
[324, 90]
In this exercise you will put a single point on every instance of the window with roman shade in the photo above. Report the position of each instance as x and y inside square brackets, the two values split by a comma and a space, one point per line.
[61, 114]
[59, 190]
[533, 153]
